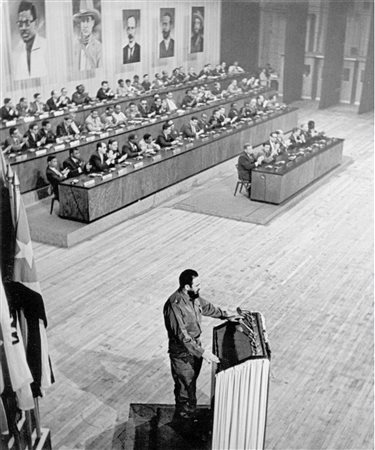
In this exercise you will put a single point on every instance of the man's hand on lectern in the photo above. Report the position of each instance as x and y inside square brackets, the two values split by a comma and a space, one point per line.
[210, 357]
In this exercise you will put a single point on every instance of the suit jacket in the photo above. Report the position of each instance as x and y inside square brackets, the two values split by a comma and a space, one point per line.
[7, 114]
[80, 99]
[63, 130]
[135, 57]
[51, 105]
[163, 52]
[244, 166]
[131, 150]
[188, 100]
[164, 141]
[32, 142]
[76, 167]
[51, 138]
[187, 130]
[144, 112]
[16, 144]
[54, 180]
[97, 164]
[103, 95]
[35, 108]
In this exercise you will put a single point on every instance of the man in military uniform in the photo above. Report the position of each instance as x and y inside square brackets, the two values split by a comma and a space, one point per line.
[182, 316]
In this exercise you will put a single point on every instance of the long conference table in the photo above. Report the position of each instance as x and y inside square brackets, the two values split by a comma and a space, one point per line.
[276, 182]
[31, 165]
[82, 111]
[88, 198]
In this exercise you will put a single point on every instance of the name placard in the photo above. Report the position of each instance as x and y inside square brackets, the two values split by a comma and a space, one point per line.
[164, 117]
[122, 171]
[89, 183]
[59, 147]
[10, 123]
[228, 130]
[42, 151]
[215, 135]
[175, 151]
[190, 145]
[138, 165]
[107, 176]
[156, 158]
[131, 127]
[119, 130]
[73, 108]
[90, 138]
[28, 119]
[205, 139]
[44, 116]
[21, 157]
[58, 113]
[103, 135]
[74, 143]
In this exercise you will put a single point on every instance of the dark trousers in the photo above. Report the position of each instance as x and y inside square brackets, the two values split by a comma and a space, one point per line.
[185, 371]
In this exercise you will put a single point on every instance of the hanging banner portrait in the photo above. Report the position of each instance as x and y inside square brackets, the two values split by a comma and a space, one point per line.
[131, 52]
[166, 46]
[197, 29]
[28, 39]
[87, 47]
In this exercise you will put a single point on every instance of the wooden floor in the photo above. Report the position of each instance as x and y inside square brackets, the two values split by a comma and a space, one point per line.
[310, 271]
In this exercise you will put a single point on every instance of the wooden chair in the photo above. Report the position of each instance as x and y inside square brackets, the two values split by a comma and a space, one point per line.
[53, 199]
[242, 183]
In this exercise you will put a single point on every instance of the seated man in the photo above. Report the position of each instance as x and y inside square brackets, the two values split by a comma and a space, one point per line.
[165, 139]
[235, 68]
[99, 161]
[215, 122]
[304, 132]
[295, 138]
[233, 114]
[68, 127]
[22, 107]
[137, 84]
[261, 107]
[189, 100]
[191, 129]
[192, 75]
[174, 132]
[267, 153]
[144, 109]
[311, 131]
[129, 89]
[253, 82]
[205, 72]
[80, 97]
[224, 68]
[284, 143]
[233, 88]
[148, 145]
[32, 140]
[247, 112]
[157, 107]
[216, 90]
[157, 83]
[54, 175]
[64, 100]
[121, 90]
[146, 82]
[119, 117]
[222, 117]
[203, 123]
[75, 164]
[243, 85]
[53, 103]
[113, 152]
[246, 162]
[93, 123]
[105, 92]
[165, 77]
[107, 118]
[170, 104]
[37, 106]
[8, 111]
[45, 134]
[15, 142]
[132, 111]
[131, 148]
[274, 143]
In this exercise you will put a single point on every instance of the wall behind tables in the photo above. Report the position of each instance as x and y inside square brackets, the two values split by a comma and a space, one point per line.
[55, 24]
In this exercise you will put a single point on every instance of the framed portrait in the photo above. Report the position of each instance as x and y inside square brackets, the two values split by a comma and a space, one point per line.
[87, 46]
[166, 45]
[28, 39]
[197, 29]
[131, 51]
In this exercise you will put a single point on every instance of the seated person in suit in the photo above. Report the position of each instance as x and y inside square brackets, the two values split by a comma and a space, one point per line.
[274, 144]
[243, 85]
[235, 68]
[216, 89]
[137, 84]
[131, 148]
[284, 143]
[93, 123]
[189, 100]
[166, 79]
[165, 139]
[22, 107]
[222, 117]
[234, 114]
[224, 68]
[191, 129]
[304, 132]
[32, 140]
[174, 132]
[246, 111]
[215, 122]
[107, 118]
[105, 92]
[157, 82]
[15, 142]
[296, 137]
[267, 153]
[37, 106]
[271, 103]
[248, 161]
[121, 89]
[80, 97]
[75, 164]
[113, 152]
[177, 76]
[253, 82]
[132, 111]
[99, 161]
[169, 103]
[148, 145]
[192, 75]
[157, 107]
[54, 174]
[261, 107]
[68, 127]
[216, 71]
[8, 111]
[203, 123]
[64, 100]
[129, 89]
[119, 117]
[311, 130]
[45, 134]
[146, 82]
[53, 103]
[233, 88]
[205, 72]
[144, 109]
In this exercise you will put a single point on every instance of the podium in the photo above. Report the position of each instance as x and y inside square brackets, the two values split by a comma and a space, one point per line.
[240, 383]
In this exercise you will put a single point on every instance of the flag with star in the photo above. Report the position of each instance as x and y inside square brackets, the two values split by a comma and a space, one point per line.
[25, 295]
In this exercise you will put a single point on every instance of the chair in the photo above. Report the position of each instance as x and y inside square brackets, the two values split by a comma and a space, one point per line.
[53, 199]
[242, 183]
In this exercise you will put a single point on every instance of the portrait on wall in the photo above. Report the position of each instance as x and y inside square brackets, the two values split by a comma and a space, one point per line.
[131, 52]
[197, 29]
[28, 39]
[166, 46]
[87, 46]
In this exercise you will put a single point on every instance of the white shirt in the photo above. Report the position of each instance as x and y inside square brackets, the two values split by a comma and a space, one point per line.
[38, 54]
